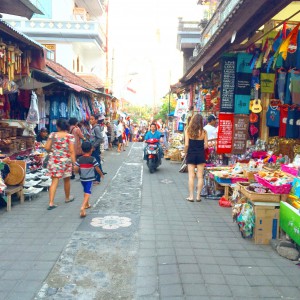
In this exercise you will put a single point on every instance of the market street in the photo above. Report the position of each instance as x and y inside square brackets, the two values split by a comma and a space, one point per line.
[155, 245]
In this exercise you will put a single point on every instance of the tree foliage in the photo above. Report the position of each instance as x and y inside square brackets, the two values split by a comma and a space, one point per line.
[168, 105]
[137, 112]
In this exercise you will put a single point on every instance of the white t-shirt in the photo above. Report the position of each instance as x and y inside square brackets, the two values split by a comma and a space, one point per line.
[212, 132]
[119, 129]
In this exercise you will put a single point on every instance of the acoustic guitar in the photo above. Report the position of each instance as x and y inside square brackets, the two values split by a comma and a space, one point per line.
[256, 103]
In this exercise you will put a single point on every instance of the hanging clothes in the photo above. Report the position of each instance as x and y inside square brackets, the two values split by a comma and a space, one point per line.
[42, 111]
[291, 129]
[295, 86]
[283, 120]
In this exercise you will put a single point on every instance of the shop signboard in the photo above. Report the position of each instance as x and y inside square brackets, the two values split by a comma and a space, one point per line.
[240, 134]
[290, 221]
[225, 133]
[228, 83]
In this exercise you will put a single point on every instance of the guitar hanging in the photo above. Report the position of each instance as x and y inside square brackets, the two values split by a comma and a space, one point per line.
[256, 103]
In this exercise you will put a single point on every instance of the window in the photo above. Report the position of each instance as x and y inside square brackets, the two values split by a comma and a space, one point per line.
[51, 51]
[45, 6]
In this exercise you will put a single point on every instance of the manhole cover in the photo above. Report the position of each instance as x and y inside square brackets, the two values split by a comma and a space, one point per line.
[166, 181]
[111, 222]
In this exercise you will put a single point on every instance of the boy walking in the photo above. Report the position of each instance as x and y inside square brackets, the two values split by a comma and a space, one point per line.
[86, 166]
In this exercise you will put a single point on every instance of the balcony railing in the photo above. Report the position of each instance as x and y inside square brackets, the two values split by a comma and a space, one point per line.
[66, 29]
[222, 12]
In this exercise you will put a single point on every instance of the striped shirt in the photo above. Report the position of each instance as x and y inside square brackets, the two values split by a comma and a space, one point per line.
[87, 166]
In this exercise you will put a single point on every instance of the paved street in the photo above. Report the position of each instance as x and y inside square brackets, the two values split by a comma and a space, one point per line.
[141, 240]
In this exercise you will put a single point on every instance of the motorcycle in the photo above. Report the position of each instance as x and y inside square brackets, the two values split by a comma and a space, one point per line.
[152, 155]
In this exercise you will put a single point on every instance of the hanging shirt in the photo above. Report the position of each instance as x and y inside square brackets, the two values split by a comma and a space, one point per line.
[297, 122]
[281, 84]
[273, 116]
[283, 120]
[295, 86]
[291, 131]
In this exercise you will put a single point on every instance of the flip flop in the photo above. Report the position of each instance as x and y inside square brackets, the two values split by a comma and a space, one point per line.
[51, 207]
[189, 199]
[88, 206]
[82, 213]
[198, 199]
[72, 198]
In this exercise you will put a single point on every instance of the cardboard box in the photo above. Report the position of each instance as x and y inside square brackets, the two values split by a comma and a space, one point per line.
[266, 222]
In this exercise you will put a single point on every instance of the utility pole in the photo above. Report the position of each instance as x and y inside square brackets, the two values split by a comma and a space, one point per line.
[106, 45]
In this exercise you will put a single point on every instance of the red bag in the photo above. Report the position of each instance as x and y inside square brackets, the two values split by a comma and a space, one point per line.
[224, 202]
[206, 154]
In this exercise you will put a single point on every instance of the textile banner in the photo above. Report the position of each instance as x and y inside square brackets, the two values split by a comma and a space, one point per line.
[225, 133]
[228, 83]
[267, 82]
[243, 84]
[240, 134]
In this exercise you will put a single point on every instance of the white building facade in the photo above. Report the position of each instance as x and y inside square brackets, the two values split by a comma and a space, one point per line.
[73, 30]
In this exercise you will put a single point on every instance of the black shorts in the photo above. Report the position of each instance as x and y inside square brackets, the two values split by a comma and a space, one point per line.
[109, 138]
[120, 139]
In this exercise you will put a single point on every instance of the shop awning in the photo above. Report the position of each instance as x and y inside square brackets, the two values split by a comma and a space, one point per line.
[31, 84]
[22, 8]
[76, 87]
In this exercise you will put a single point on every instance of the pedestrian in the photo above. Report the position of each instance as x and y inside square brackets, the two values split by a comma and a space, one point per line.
[127, 135]
[109, 135]
[86, 165]
[85, 129]
[120, 130]
[195, 143]
[96, 140]
[60, 146]
[42, 136]
[79, 137]
[210, 128]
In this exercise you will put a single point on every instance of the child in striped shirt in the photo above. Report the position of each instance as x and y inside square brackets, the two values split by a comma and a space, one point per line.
[86, 165]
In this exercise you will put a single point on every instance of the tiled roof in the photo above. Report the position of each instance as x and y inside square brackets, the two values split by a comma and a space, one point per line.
[58, 71]
[92, 79]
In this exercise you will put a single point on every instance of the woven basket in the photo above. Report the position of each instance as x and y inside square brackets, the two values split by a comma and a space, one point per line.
[16, 174]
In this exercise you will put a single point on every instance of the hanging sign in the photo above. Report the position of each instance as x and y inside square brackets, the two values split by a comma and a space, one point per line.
[228, 83]
[240, 134]
[225, 133]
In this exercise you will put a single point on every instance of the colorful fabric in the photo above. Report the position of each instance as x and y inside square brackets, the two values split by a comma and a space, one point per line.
[290, 43]
[283, 120]
[60, 163]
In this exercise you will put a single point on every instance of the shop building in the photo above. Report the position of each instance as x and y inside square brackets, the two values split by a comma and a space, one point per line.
[74, 34]
[246, 72]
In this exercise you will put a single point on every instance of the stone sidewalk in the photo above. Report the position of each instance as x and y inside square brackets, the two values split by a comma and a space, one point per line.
[32, 238]
[194, 250]
[168, 249]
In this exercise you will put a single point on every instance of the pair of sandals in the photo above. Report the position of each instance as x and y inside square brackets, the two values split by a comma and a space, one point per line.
[71, 199]
[192, 200]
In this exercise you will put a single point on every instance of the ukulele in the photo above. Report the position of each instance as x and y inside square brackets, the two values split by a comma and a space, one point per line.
[256, 104]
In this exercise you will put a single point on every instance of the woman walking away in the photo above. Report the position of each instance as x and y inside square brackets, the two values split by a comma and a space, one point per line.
[195, 143]
[60, 144]
[78, 135]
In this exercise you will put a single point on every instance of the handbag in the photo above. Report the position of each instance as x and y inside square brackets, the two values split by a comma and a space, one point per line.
[183, 168]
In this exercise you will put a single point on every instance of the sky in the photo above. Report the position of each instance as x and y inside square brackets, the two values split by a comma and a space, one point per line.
[142, 44]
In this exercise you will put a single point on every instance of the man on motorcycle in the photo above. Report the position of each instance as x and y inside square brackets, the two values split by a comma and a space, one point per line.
[153, 133]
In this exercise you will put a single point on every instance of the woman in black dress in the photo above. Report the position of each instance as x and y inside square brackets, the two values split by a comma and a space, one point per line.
[195, 144]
